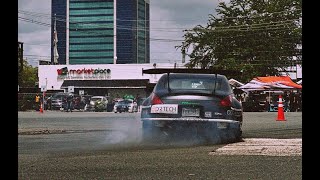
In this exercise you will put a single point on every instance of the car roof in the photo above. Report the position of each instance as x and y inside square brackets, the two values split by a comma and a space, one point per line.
[193, 74]
[98, 97]
[62, 94]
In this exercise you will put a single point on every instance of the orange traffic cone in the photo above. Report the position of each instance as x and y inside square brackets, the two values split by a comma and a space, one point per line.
[280, 110]
[41, 109]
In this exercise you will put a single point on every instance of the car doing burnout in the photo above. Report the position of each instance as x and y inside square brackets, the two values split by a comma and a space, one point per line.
[192, 106]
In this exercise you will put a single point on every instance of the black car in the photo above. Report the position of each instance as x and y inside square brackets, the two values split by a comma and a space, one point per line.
[192, 106]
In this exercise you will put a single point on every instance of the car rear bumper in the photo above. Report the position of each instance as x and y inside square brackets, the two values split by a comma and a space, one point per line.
[190, 129]
[191, 119]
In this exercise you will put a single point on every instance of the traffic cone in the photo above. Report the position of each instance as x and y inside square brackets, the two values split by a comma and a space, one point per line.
[280, 110]
[41, 109]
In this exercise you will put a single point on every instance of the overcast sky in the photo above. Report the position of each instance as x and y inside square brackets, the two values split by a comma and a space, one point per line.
[174, 15]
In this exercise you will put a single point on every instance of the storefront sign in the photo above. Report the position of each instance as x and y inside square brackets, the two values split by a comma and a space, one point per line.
[43, 88]
[84, 73]
[71, 89]
[81, 92]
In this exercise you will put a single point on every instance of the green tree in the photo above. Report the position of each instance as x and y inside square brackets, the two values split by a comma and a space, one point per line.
[256, 37]
[28, 76]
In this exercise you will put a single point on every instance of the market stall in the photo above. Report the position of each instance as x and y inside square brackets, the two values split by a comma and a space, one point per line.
[261, 93]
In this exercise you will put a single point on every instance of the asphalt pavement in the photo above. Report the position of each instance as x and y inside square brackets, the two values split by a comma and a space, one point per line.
[105, 145]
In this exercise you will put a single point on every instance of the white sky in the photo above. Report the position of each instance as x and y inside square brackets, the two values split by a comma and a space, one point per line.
[171, 14]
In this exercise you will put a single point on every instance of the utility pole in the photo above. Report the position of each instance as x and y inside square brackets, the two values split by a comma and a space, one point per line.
[183, 53]
[20, 62]
[20, 53]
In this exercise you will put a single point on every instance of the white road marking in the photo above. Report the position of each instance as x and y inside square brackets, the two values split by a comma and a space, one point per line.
[262, 146]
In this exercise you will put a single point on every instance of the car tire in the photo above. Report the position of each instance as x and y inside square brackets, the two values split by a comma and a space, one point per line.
[231, 135]
[152, 134]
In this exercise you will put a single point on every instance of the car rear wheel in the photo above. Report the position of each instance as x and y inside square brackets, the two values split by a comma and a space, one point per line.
[152, 133]
[189, 132]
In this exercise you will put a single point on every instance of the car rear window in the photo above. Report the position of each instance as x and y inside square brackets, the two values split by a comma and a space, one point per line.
[121, 103]
[195, 82]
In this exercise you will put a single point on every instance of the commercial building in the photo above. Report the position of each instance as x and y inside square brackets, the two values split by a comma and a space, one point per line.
[101, 31]
[99, 47]
[101, 79]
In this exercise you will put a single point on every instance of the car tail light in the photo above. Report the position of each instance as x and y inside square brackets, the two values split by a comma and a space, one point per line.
[155, 99]
[226, 101]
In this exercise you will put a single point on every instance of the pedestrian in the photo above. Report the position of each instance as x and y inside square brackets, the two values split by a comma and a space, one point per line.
[37, 102]
[69, 102]
[138, 100]
[292, 102]
[49, 103]
[267, 104]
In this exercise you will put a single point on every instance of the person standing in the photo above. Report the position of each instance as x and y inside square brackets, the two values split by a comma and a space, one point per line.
[49, 103]
[138, 100]
[69, 102]
[37, 102]
[291, 102]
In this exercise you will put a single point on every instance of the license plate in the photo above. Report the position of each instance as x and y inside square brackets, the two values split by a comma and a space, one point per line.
[222, 125]
[190, 112]
[165, 108]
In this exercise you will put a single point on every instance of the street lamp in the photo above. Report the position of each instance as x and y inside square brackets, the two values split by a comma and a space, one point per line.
[115, 60]
[43, 94]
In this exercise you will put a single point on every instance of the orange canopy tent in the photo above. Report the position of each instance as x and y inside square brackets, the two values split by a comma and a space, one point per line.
[270, 82]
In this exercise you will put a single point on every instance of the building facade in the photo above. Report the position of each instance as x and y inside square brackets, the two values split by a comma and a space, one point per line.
[102, 31]
[101, 79]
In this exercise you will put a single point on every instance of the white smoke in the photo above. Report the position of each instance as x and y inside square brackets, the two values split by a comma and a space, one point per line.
[124, 132]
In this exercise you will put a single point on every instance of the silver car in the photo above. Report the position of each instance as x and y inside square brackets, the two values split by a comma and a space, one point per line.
[93, 100]
[58, 100]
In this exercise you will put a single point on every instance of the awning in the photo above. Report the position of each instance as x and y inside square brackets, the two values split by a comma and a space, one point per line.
[235, 83]
[124, 84]
[270, 83]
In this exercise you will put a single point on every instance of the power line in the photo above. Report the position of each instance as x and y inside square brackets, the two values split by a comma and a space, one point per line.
[206, 30]
[254, 27]
[264, 14]
[166, 29]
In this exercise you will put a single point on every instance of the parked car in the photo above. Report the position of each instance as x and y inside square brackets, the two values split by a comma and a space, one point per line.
[78, 102]
[120, 106]
[97, 103]
[189, 106]
[132, 105]
[58, 101]
[252, 105]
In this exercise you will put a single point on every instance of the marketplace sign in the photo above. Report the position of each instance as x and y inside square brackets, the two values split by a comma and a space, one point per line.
[84, 73]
